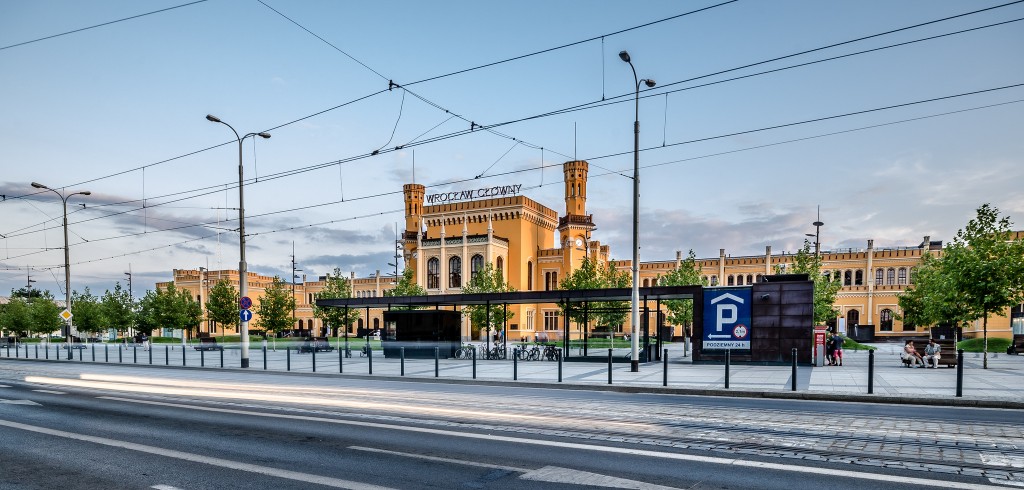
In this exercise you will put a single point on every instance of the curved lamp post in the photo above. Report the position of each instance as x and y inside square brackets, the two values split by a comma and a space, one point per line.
[243, 280]
[634, 363]
[67, 257]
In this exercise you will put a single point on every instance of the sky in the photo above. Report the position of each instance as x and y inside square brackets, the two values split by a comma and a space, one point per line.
[731, 158]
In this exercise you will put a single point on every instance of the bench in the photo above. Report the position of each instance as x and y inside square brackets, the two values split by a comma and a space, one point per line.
[316, 344]
[947, 356]
[1016, 344]
[209, 343]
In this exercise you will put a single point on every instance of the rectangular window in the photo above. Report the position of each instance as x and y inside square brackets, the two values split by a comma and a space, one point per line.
[551, 320]
[513, 326]
[529, 320]
[878, 277]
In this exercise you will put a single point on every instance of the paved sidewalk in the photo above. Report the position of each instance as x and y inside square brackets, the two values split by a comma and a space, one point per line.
[1003, 381]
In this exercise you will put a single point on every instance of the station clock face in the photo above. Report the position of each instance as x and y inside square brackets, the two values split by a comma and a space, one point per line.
[579, 242]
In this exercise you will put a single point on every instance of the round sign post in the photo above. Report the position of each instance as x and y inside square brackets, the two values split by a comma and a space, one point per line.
[245, 303]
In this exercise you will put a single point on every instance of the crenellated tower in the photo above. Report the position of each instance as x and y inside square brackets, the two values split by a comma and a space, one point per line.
[575, 227]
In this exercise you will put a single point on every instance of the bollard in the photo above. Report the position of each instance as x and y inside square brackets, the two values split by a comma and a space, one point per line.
[474, 361]
[150, 350]
[559, 365]
[106, 353]
[793, 387]
[609, 366]
[120, 358]
[437, 366]
[93, 352]
[664, 362]
[264, 357]
[288, 358]
[312, 350]
[167, 355]
[46, 351]
[728, 357]
[959, 373]
[515, 364]
[341, 361]
[202, 358]
[369, 355]
[79, 353]
[183, 356]
[135, 354]
[401, 355]
[871, 371]
[221, 357]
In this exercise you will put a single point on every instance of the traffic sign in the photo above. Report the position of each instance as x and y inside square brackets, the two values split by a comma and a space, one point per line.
[727, 318]
[245, 303]
[66, 315]
[245, 315]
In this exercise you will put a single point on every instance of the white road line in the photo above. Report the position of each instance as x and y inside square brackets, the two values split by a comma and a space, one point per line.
[198, 458]
[4, 386]
[164, 487]
[51, 392]
[589, 447]
[19, 402]
[442, 460]
[1007, 482]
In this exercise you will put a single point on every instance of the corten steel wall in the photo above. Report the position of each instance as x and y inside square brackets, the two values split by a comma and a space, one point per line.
[780, 322]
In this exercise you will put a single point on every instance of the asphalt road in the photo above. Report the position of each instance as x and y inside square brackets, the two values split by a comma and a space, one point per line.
[95, 426]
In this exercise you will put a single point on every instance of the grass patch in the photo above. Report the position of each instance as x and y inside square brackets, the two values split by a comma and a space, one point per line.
[850, 344]
[978, 345]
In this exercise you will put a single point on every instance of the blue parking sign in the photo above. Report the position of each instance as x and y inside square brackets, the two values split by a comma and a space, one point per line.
[726, 318]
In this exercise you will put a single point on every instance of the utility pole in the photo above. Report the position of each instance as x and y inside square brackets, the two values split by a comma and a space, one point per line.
[29, 280]
[294, 270]
[131, 294]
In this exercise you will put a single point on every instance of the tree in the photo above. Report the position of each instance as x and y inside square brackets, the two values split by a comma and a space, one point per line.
[14, 317]
[44, 315]
[26, 293]
[169, 308]
[488, 280]
[591, 275]
[119, 309]
[406, 287]
[680, 311]
[147, 316]
[275, 307]
[336, 286]
[88, 312]
[985, 265]
[222, 305]
[931, 299]
[825, 288]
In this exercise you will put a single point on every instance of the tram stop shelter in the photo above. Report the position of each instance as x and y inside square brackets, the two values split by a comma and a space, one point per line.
[580, 344]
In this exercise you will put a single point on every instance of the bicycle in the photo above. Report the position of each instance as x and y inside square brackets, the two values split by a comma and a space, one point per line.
[528, 353]
[464, 352]
[551, 353]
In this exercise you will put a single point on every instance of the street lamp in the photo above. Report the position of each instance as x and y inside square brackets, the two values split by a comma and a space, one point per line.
[817, 234]
[634, 363]
[67, 258]
[243, 282]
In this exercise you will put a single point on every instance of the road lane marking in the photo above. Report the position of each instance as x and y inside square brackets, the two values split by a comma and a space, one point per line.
[996, 459]
[50, 392]
[164, 487]
[198, 458]
[588, 447]
[4, 386]
[19, 402]
[549, 474]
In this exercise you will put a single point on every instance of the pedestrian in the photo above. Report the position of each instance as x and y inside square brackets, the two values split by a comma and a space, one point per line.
[830, 350]
[839, 348]
[910, 356]
[932, 354]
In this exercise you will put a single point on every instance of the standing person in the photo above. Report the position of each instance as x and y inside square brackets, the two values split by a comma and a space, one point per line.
[830, 350]
[910, 355]
[839, 348]
[932, 354]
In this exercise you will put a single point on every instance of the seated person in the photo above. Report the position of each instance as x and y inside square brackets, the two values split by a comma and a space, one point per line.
[932, 354]
[910, 355]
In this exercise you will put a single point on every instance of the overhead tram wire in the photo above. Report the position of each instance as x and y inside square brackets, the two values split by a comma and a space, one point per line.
[778, 143]
[709, 138]
[100, 25]
[568, 109]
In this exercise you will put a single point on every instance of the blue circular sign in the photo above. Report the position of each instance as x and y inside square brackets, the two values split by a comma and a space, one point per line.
[245, 303]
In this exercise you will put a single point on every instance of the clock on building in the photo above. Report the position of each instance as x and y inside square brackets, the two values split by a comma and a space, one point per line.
[579, 242]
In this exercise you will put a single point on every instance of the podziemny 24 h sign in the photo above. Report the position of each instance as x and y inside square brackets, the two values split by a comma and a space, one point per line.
[727, 318]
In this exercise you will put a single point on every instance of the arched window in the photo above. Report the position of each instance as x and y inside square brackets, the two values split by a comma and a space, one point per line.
[433, 273]
[913, 275]
[852, 318]
[901, 278]
[732, 280]
[890, 276]
[359, 323]
[750, 279]
[500, 266]
[376, 323]
[529, 276]
[758, 278]
[848, 278]
[858, 278]
[455, 272]
[878, 277]
[739, 280]
[647, 283]
[886, 320]
[714, 280]
[475, 264]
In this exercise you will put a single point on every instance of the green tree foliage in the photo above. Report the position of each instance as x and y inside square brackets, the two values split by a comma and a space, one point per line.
[222, 305]
[88, 312]
[26, 293]
[406, 287]
[43, 314]
[591, 275]
[931, 299]
[336, 286]
[275, 307]
[680, 311]
[985, 265]
[147, 318]
[825, 288]
[119, 309]
[169, 308]
[15, 317]
[488, 280]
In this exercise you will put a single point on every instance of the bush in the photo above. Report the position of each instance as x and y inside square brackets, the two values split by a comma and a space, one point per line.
[978, 345]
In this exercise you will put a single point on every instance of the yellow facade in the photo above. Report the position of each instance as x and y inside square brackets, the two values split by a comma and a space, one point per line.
[449, 236]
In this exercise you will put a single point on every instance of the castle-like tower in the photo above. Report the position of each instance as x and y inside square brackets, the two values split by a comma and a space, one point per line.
[575, 227]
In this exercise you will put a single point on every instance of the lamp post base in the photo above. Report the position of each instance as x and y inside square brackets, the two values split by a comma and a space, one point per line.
[245, 362]
[634, 366]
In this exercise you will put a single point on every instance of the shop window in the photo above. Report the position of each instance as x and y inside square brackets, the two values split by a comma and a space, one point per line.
[433, 273]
